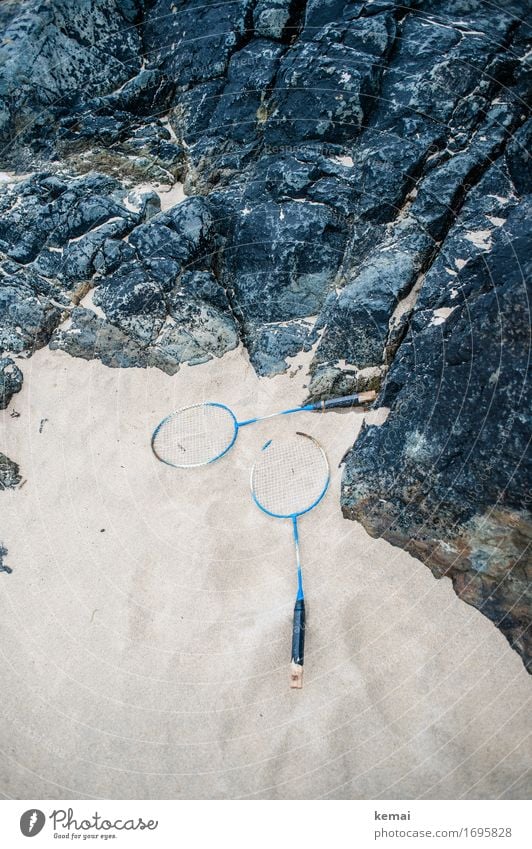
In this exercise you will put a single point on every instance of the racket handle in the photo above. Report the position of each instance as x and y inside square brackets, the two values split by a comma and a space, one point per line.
[298, 646]
[355, 400]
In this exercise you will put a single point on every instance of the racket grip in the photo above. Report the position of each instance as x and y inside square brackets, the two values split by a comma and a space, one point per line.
[349, 400]
[298, 646]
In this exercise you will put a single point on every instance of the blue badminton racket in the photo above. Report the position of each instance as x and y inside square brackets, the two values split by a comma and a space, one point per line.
[290, 478]
[202, 433]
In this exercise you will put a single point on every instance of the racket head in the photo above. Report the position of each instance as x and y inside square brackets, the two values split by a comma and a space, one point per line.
[195, 436]
[290, 477]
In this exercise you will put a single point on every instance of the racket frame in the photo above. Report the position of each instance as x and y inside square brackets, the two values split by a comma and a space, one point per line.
[205, 462]
[314, 503]
[298, 629]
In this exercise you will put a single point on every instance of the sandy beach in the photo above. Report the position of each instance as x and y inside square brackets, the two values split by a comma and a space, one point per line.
[145, 628]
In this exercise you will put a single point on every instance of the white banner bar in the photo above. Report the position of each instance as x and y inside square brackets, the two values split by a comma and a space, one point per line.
[266, 824]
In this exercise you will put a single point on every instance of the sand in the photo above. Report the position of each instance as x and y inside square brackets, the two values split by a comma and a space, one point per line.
[145, 629]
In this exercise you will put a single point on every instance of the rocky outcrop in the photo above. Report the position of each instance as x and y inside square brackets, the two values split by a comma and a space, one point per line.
[10, 381]
[349, 178]
[447, 475]
[9, 473]
[3, 566]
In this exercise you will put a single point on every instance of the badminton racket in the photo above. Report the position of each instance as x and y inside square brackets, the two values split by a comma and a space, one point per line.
[289, 479]
[198, 435]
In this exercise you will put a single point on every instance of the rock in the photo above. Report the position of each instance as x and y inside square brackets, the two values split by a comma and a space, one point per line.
[518, 159]
[99, 250]
[41, 213]
[3, 552]
[270, 18]
[9, 474]
[27, 317]
[333, 382]
[208, 34]
[191, 323]
[10, 381]
[147, 201]
[357, 318]
[282, 260]
[90, 337]
[179, 235]
[194, 108]
[199, 333]
[50, 52]
[133, 302]
[271, 345]
[437, 478]
[325, 87]
[238, 110]
[200, 324]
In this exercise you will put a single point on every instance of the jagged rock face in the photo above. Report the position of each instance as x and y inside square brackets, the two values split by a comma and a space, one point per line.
[3, 566]
[446, 476]
[355, 180]
[10, 381]
[9, 473]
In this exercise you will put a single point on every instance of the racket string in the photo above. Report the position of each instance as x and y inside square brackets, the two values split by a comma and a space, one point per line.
[194, 436]
[290, 476]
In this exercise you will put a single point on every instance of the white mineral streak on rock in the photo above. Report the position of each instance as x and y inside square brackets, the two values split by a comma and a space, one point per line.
[346, 161]
[406, 304]
[480, 238]
[440, 315]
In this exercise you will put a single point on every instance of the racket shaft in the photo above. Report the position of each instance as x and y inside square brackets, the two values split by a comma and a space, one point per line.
[298, 645]
[357, 400]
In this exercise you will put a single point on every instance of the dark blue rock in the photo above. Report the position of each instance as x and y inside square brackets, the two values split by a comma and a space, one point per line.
[282, 259]
[446, 475]
[26, 320]
[326, 87]
[237, 114]
[201, 324]
[133, 302]
[90, 337]
[98, 250]
[10, 381]
[192, 42]
[271, 345]
[94, 41]
[9, 478]
[357, 318]
[3, 551]
[41, 213]
[519, 159]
